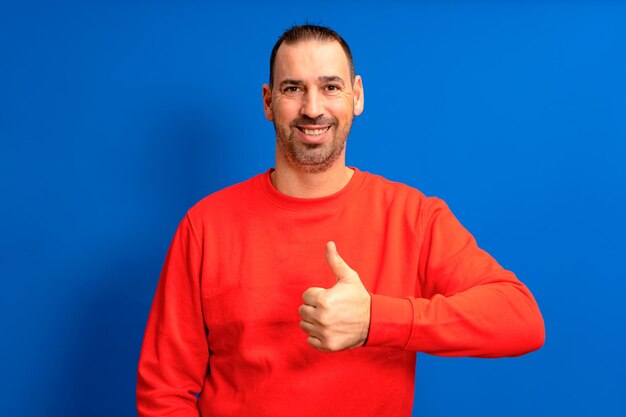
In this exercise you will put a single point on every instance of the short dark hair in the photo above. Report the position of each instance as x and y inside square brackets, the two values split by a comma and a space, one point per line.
[308, 32]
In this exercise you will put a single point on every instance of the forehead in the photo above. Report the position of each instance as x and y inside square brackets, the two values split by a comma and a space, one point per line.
[311, 59]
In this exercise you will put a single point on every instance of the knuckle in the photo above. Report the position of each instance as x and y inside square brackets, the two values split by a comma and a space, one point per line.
[333, 345]
[324, 319]
[325, 301]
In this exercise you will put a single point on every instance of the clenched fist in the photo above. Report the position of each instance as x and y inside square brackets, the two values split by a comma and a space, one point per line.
[336, 318]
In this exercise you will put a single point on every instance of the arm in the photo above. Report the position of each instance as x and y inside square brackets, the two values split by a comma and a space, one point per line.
[174, 355]
[469, 305]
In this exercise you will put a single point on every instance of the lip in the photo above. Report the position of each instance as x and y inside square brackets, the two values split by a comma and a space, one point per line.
[312, 138]
[312, 127]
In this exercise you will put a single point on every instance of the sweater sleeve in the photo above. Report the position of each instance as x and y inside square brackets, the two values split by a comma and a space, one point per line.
[174, 356]
[468, 305]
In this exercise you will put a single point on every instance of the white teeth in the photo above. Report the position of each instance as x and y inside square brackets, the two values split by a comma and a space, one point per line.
[314, 131]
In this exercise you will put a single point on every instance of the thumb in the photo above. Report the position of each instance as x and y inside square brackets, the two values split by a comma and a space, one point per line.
[340, 268]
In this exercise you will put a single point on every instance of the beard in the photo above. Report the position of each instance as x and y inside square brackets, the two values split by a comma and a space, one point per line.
[312, 158]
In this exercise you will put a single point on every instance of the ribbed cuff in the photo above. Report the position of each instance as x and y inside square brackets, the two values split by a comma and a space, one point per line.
[391, 320]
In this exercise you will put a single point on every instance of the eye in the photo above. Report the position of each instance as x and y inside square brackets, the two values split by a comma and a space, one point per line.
[332, 88]
[291, 89]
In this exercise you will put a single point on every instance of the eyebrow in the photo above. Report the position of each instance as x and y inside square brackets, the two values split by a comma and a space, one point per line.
[291, 82]
[331, 79]
[323, 79]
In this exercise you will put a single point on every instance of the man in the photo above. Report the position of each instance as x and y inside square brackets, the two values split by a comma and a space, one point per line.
[252, 318]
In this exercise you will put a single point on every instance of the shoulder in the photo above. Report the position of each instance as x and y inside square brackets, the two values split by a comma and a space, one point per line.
[227, 199]
[394, 191]
[397, 199]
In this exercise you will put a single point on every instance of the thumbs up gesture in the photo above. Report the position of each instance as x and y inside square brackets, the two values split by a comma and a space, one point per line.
[336, 318]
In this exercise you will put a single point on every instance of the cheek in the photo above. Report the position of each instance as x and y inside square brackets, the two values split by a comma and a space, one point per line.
[342, 107]
[285, 111]
[344, 113]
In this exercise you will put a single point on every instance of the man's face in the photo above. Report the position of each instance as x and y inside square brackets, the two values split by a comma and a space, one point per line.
[312, 104]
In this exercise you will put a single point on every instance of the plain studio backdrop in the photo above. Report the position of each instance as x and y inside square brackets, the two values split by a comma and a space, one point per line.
[116, 117]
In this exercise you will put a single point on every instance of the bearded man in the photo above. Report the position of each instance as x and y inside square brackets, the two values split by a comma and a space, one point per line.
[257, 313]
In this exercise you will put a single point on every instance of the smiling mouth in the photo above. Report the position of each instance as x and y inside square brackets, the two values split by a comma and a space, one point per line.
[314, 132]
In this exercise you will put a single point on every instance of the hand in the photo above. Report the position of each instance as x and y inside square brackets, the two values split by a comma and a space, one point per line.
[337, 318]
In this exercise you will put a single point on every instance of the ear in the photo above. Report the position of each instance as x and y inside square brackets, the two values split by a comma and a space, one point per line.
[359, 98]
[267, 102]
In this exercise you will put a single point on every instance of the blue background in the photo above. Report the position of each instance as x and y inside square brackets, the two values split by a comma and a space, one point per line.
[115, 117]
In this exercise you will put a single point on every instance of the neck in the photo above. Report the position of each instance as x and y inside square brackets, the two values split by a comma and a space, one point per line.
[296, 183]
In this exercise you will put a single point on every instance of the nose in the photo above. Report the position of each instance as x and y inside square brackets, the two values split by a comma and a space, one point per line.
[312, 105]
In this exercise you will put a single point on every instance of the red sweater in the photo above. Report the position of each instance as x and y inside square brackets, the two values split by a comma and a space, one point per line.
[224, 323]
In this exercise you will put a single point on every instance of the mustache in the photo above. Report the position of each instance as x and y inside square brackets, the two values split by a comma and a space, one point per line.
[308, 121]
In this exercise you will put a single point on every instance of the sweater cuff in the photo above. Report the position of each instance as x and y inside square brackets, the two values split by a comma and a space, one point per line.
[391, 320]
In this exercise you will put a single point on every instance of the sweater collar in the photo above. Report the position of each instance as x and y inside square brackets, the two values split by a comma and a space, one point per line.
[331, 201]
